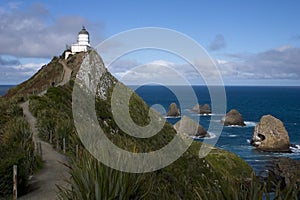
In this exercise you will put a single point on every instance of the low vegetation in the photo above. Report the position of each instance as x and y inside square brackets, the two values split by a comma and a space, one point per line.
[16, 148]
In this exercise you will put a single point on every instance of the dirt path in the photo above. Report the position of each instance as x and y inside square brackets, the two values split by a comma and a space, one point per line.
[53, 172]
[67, 73]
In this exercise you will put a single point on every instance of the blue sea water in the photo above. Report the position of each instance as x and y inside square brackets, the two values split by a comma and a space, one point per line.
[251, 102]
[4, 88]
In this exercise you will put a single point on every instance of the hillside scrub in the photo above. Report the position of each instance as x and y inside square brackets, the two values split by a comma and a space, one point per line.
[16, 148]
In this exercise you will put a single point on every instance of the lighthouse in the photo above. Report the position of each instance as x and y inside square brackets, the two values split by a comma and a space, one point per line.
[82, 45]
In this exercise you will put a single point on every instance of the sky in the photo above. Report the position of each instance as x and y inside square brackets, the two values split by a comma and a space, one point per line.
[251, 42]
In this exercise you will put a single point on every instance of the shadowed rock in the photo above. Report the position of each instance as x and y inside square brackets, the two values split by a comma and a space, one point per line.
[285, 170]
[271, 135]
[196, 108]
[173, 110]
[205, 109]
[233, 117]
[189, 127]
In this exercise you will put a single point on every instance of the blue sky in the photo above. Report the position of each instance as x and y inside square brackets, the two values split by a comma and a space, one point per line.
[252, 42]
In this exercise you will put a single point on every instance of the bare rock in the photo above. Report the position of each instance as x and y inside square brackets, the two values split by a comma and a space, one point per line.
[271, 135]
[285, 170]
[205, 109]
[173, 110]
[233, 117]
[196, 108]
[189, 127]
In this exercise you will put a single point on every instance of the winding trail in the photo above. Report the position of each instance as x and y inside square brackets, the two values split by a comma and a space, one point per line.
[67, 73]
[43, 184]
[54, 172]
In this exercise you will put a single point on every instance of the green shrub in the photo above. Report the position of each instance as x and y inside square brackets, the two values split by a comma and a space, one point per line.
[17, 149]
[93, 180]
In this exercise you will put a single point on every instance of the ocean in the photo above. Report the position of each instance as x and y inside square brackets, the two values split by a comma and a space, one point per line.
[251, 102]
[4, 88]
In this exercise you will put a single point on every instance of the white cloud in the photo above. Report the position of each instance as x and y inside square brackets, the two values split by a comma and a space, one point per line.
[279, 63]
[34, 32]
[14, 74]
[157, 71]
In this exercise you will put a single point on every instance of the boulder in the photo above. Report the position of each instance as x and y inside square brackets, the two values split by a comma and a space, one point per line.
[205, 109]
[173, 110]
[196, 108]
[285, 170]
[233, 117]
[187, 126]
[271, 135]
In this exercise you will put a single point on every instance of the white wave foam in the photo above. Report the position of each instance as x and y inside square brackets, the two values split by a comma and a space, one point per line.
[210, 114]
[211, 136]
[206, 114]
[235, 126]
[295, 149]
[249, 141]
[171, 117]
[250, 124]
[233, 135]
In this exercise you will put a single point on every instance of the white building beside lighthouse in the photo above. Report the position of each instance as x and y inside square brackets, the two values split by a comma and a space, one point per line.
[82, 45]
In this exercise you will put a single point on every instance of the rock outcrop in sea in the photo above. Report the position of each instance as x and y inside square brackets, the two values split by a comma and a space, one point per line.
[205, 109]
[271, 135]
[233, 118]
[173, 110]
[189, 127]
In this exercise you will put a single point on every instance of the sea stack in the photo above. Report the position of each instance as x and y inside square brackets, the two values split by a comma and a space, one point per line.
[196, 108]
[189, 127]
[173, 110]
[271, 135]
[233, 118]
[205, 109]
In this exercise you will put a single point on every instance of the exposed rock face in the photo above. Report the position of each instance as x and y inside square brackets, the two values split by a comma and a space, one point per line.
[173, 110]
[233, 117]
[271, 135]
[196, 108]
[205, 109]
[189, 127]
[286, 170]
[92, 68]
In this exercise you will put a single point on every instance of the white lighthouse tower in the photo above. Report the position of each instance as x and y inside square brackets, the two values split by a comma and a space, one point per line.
[82, 45]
